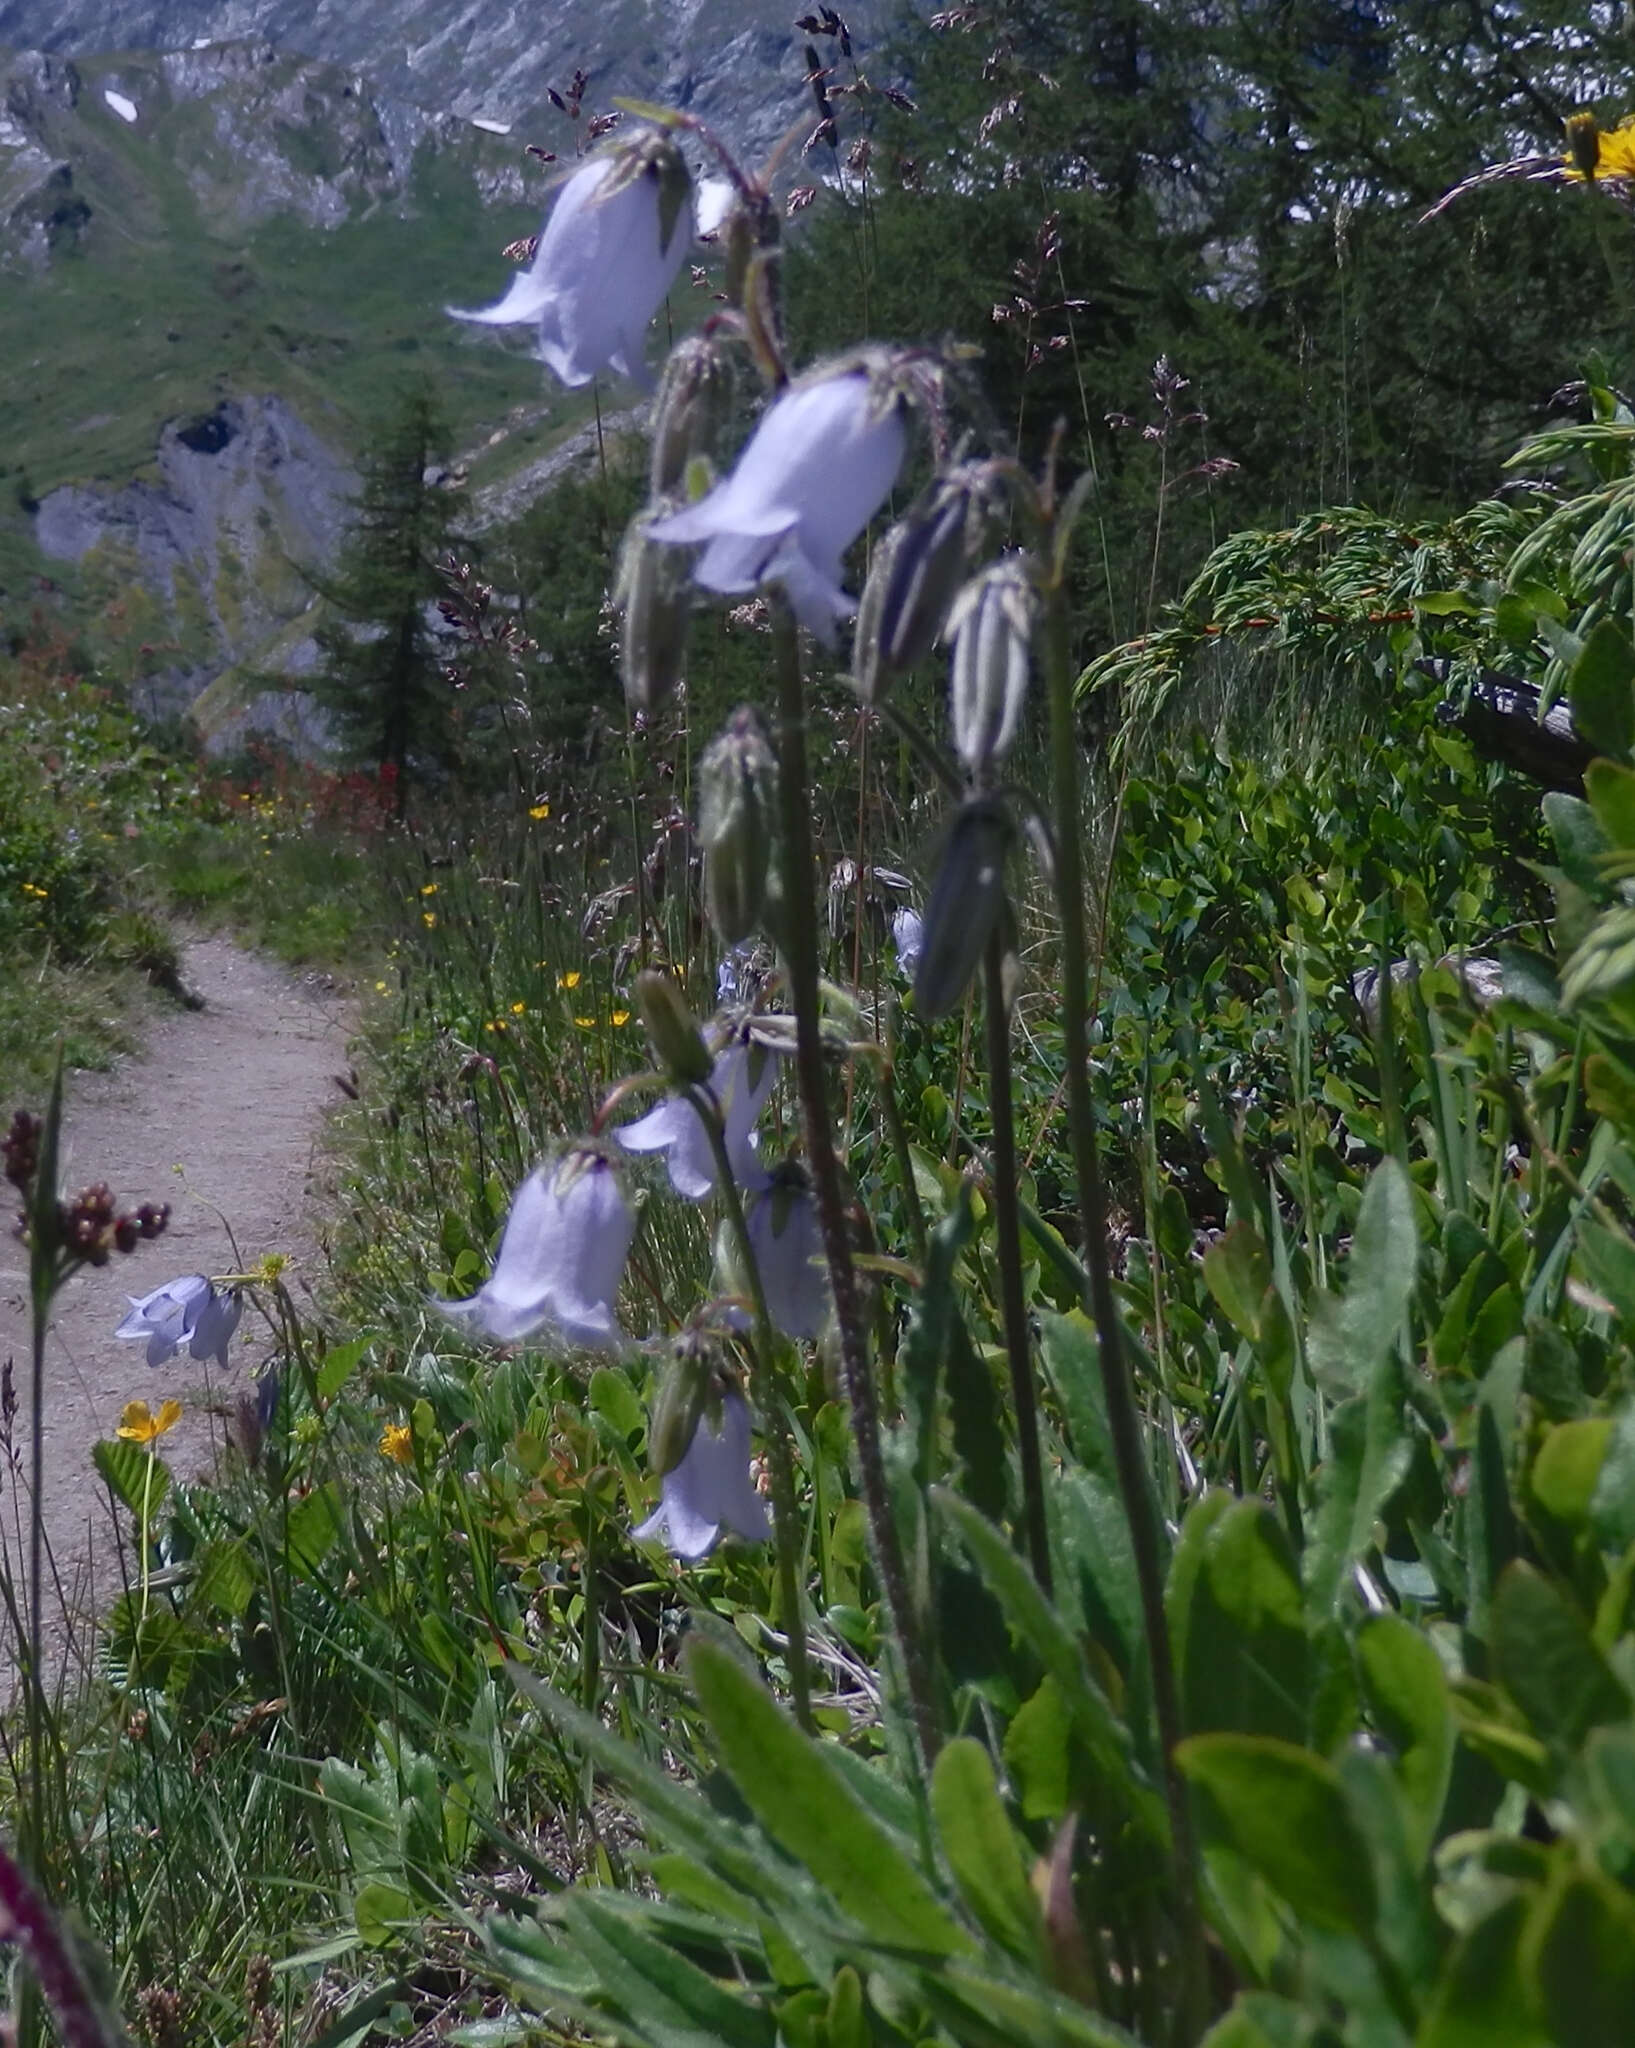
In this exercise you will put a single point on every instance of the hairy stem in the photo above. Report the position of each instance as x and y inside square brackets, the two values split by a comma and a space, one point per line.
[769, 1399]
[1008, 1235]
[1123, 1417]
[799, 939]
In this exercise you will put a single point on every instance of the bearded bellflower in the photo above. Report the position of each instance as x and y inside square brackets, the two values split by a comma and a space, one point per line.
[608, 252]
[785, 1236]
[709, 1489]
[814, 472]
[186, 1311]
[740, 1081]
[908, 937]
[560, 1258]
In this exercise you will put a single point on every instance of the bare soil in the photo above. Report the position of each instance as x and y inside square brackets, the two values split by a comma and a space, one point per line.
[220, 1115]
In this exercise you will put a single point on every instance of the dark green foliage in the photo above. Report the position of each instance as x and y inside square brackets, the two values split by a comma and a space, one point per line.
[381, 681]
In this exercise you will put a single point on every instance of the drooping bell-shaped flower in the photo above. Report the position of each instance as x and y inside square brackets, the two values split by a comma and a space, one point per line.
[560, 1258]
[186, 1311]
[991, 627]
[813, 473]
[787, 1241]
[710, 1489]
[608, 252]
[908, 937]
[740, 1081]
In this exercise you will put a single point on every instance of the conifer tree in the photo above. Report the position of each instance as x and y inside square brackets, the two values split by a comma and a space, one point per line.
[380, 681]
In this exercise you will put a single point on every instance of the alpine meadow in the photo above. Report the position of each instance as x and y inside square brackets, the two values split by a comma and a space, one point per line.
[817, 1025]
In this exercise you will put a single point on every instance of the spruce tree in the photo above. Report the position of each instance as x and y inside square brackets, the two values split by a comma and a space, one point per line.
[381, 681]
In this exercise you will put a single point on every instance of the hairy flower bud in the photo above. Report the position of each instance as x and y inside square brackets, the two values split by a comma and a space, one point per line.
[737, 815]
[967, 899]
[671, 1030]
[916, 574]
[991, 627]
[682, 1394]
[690, 409]
[654, 605]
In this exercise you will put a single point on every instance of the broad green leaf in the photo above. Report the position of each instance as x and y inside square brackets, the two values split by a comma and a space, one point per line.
[124, 1466]
[981, 1846]
[1369, 1455]
[1578, 1957]
[614, 1399]
[313, 1525]
[811, 1813]
[1599, 691]
[1613, 1507]
[381, 1911]
[1487, 1520]
[340, 1361]
[1284, 1812]
[1379, 1273]
[1260, 2019]
[224, 1577]
[925, 1342]
[1036, 1752]
[1407, 1698]
[1480, 2001]
[659, 1988]
[1567, 1467]
[847, 2022]
[1246, 1663]
[1546, 1659]
[1238, 1273]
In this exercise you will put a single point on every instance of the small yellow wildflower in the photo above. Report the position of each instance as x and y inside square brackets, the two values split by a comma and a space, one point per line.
[380, 988]
[539, 811]
[138, 1426]
[569, 980]
[519, 1009]
[1595, 152]
[585, 1023]
[619, 1019]
[430, 889]
[397, 1443]
[429, 919]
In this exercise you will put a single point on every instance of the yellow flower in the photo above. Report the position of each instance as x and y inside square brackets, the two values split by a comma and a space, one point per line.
[569, 980]
[619, 1019]
[519, 1009]
[429, 919]
[397, 1443]
[380, 988]
[1595, 152]
[430, 889]
[137, 1426]
[585, 1023]
[539, 811]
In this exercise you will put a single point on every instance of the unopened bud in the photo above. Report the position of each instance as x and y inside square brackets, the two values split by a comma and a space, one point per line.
[916, 573]
[967, 900]
[671, 1031]
[674, 1423]
[689, 410]
[654, 605]
[737, 816]
[991, 627]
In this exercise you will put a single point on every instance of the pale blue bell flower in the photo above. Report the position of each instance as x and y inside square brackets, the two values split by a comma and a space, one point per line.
[787, 1240]
[908, 938]
[560, 1259]
[213, 1327]
[601, 270]
[166, 1317]
[811, 476]
[741, 1080]
[711, 1489]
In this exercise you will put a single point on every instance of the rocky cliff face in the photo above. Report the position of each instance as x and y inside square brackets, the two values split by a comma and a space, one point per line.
[736, 63]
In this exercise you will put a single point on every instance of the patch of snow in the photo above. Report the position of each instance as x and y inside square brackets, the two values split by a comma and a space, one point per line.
[490, 127]
[124, 108]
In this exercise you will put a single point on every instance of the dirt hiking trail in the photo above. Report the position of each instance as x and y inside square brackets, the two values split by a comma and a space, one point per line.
[221, 1110]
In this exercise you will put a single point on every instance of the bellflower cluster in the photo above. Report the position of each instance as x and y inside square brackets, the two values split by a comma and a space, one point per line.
[608, 251]
[560, 1258]
[187, 1311]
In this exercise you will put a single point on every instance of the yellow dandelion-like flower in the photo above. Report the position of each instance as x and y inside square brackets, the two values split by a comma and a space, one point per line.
[585, 1023]
[569, 980]
[429, 919]
[139, 1426]
[537, 811]
[519, 1009]
[1595, 152]
[430, 889]
[619, 1019]
[397, 1443]
[380, 988]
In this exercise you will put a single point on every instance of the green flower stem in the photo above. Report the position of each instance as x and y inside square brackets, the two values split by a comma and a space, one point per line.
[886, 1090]
[1123, 1417]
[800, 949]
[769, 1399]
[1008, 1233]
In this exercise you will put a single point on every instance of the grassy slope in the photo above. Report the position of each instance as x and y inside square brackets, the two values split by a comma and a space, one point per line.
[164, 309]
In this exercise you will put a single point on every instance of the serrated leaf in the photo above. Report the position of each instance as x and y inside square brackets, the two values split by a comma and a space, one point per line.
[312, 1527]
[124, 1466]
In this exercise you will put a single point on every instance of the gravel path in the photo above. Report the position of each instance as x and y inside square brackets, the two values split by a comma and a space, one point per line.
[222, 1111]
